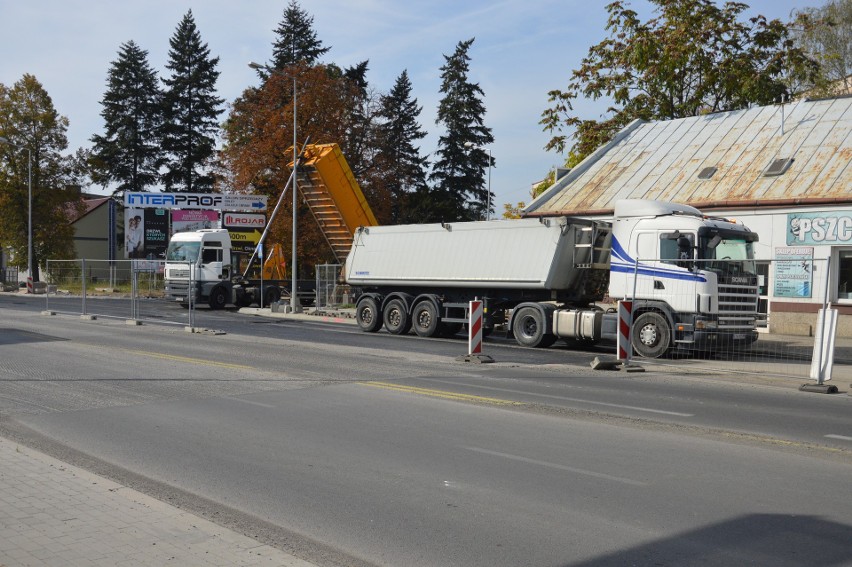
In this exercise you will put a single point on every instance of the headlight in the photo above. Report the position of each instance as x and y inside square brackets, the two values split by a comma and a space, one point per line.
[706, 324]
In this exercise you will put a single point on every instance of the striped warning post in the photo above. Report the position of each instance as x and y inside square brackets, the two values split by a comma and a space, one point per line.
[625, 321]
[29, 284]
[474, 335]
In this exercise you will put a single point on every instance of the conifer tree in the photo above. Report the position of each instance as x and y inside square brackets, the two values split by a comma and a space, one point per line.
[190, 111]
[296, 39]
[458, 175]
[358, 143]
[398, 160]
[128, 152]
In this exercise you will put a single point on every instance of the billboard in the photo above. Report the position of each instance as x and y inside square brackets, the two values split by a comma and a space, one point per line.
[193, 219]
[245, 229]
[216, 201]
[145, 233]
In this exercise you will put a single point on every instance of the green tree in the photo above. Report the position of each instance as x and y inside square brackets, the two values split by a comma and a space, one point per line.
[398, 161]
[190, 110]
[826, 34]
[34, 130]
[458, 174]
[296, 40]
[693, 57]
[128, 152]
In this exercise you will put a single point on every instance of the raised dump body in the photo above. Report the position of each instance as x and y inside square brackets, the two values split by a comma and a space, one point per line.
[538, 255]
[333, 195]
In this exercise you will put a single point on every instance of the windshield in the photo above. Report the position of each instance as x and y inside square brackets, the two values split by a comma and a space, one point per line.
[728, 255]
[182, 251]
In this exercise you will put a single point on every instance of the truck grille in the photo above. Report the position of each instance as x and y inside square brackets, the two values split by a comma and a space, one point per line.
[178, 273]
[737, 306]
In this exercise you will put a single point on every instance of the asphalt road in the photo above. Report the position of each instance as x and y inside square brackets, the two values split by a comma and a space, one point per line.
[383, 450]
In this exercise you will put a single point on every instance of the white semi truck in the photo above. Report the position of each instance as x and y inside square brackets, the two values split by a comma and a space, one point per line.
[692, 277]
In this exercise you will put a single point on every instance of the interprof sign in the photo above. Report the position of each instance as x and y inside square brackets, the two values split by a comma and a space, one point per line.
[218, 201]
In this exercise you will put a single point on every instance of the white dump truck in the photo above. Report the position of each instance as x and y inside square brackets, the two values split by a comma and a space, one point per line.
[692, 277]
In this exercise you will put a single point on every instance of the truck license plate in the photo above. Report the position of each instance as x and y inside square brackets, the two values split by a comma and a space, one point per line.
[739, 337]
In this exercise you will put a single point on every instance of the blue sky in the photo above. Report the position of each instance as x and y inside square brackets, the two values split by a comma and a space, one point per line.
[522, 50]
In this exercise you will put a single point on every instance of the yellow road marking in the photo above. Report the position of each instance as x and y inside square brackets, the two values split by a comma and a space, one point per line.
[439, 393]
[191, 360]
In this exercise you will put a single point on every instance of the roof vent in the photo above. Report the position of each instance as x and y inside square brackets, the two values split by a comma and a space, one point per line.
[778, 167]
[707, 172]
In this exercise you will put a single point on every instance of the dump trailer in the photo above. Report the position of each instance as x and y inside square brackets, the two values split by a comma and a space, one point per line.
[543, 277]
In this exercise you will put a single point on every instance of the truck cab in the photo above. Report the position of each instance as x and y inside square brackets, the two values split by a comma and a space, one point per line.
[693, 277]
[198, 267]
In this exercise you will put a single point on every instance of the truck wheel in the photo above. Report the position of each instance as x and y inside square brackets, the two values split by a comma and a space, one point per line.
[218, 298]
[368, 315]
[396, 318]
[530, 329]
[425, 319]
[652, 335]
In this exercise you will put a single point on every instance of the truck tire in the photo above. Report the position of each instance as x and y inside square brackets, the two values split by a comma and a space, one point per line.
[530, 328]
[652, 335]
[368, 315]
[396, 317]
[218, 298]
[424, 319]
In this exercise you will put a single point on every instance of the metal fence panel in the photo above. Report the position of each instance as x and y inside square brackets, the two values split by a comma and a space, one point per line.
[123, 289]
[330, 292]
[785, 344]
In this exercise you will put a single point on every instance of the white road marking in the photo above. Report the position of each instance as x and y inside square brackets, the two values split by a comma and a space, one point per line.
[558, 466]
[252, 403]
[841, 437]
[578, 400]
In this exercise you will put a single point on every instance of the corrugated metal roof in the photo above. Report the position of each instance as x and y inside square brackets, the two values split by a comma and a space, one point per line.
[662, 160]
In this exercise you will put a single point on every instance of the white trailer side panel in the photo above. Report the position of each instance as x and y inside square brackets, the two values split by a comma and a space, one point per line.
[520, 254]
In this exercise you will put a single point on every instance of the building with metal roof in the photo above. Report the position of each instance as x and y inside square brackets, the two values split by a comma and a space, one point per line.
[783, 170]
[789, 154]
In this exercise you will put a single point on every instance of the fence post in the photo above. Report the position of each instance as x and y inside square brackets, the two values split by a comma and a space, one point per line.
[47, 291]
[134, 291]
[190, 295]
[83, 275]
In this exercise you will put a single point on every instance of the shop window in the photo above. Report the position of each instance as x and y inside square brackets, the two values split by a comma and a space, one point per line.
[844, 274]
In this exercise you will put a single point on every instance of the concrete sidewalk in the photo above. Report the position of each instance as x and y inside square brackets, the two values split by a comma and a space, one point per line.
[56, 514]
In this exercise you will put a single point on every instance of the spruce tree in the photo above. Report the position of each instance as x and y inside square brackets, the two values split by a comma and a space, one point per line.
[398, 160]
[358, 143]
[296, 39]
[128, 152]
[190, 111]
[458, 175]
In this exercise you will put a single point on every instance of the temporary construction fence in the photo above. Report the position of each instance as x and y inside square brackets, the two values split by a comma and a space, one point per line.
[126, 289]
[331, 293]
[732, 299]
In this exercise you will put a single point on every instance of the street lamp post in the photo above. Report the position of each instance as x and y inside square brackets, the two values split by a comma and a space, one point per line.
[490, 159]
[295, 306]
[29, 202]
